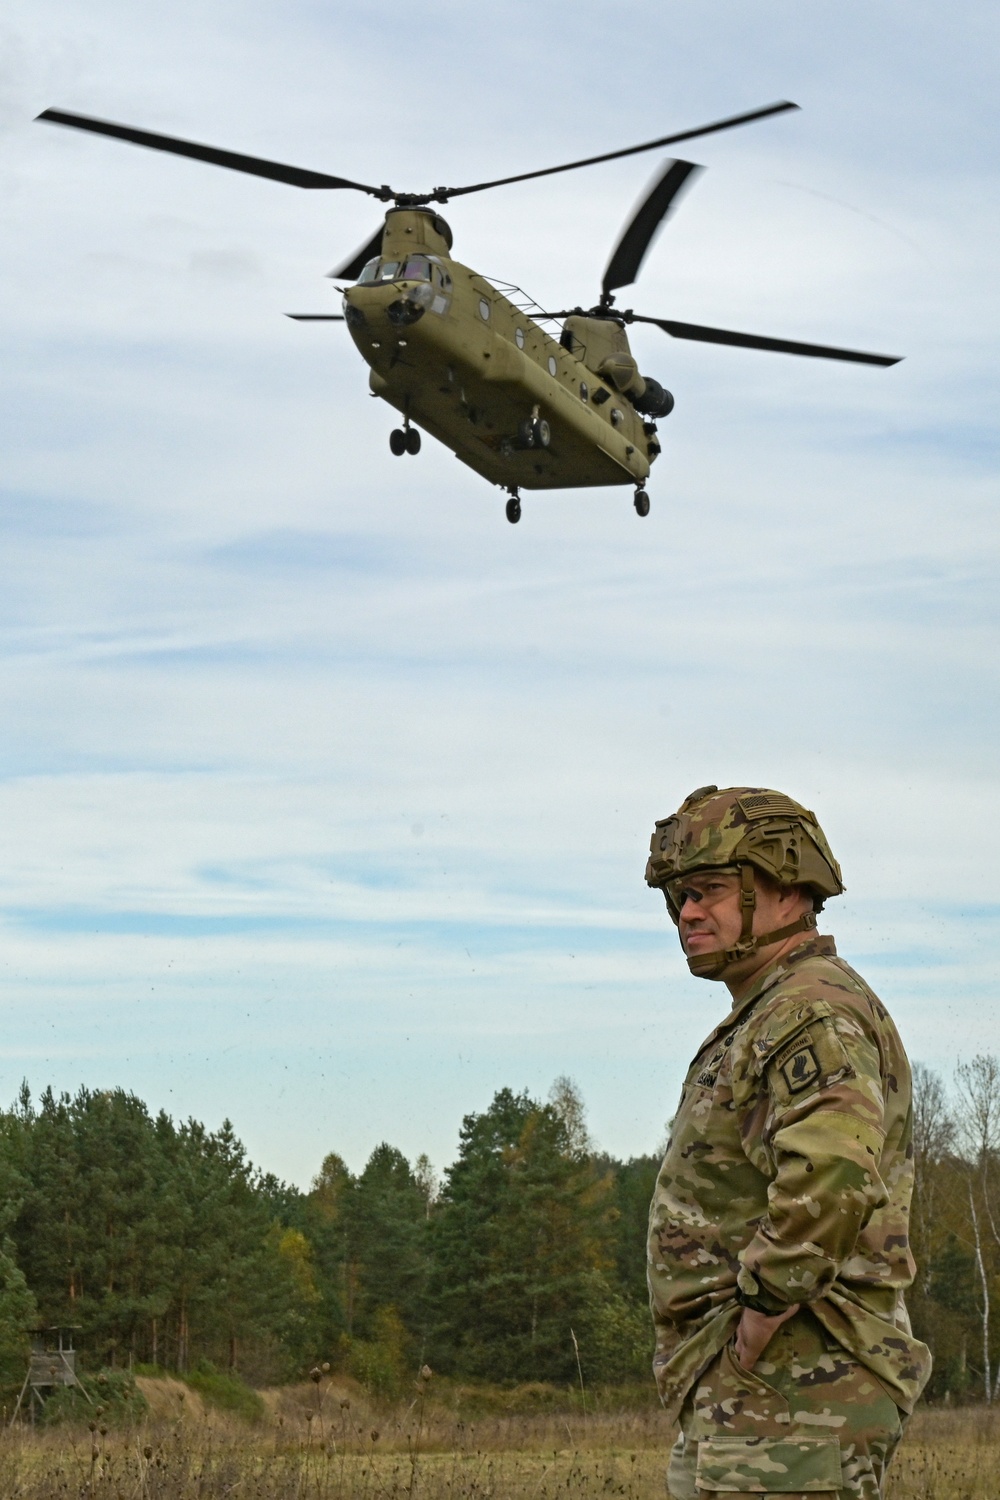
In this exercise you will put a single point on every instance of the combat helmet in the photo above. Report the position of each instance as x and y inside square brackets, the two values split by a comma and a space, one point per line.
[743, 828]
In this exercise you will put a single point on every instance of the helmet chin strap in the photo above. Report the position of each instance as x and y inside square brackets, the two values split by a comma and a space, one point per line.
[713, 965]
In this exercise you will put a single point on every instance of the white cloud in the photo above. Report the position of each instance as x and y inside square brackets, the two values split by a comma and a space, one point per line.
[326, 793]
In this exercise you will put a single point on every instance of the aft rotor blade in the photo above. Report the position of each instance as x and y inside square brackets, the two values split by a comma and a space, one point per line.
[755, 341]
[257, 166]
[638, 234]
[351, 269]
[590, 161]
[317, 317]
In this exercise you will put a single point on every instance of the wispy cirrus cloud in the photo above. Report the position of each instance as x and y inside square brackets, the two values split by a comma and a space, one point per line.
[325, 793]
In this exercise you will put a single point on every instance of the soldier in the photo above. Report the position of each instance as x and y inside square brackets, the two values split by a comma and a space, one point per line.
[778, 1233]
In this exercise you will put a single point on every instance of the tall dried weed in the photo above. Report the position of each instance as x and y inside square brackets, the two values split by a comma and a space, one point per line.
[320, 1443]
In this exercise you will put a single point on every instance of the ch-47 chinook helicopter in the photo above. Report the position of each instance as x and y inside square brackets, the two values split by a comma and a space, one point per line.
[468, 358]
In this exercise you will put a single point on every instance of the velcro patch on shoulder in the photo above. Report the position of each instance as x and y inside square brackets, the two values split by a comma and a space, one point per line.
[816, 1057]
[776, 1030]
[799, 1066]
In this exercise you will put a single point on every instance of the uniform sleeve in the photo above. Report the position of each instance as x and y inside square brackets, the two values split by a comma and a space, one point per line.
[823, 1136]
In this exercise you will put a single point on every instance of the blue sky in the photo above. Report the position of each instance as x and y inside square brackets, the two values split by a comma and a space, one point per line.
[325, 793]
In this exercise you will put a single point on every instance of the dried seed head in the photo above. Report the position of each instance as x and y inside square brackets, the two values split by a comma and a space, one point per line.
[374, 1434]
[345, 1405]
[325, 1367]
[147, 1452]
[316, 1374]
[104, 1432]
[92, 1426]
[426, 1372]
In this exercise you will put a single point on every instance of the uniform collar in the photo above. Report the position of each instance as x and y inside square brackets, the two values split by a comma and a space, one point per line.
[810, 947]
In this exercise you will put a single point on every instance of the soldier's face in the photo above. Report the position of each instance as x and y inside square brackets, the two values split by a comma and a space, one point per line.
[709, 911]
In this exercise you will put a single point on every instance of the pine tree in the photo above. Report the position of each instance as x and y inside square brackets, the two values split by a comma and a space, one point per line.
[320, 1214]
[521, 1230]
[386, 1225]
[155, 1241]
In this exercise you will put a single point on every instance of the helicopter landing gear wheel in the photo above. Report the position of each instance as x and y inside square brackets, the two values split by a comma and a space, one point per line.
[397, 441]
[534, 432]
[514, 509]
[412, 437]
[641, 503]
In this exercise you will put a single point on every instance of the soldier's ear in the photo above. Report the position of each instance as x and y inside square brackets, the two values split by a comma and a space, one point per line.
[796, 897]
[806, 899]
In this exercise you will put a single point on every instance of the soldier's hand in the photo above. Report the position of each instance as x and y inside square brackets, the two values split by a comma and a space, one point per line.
[756, 1330]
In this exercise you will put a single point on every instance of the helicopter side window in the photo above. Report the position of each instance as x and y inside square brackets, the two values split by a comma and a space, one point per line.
[369, 272]
[442, 279]
[417, 268]
[389, 270]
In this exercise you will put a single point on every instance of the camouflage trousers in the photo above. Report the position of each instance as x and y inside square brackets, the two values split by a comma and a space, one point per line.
[808, 1423]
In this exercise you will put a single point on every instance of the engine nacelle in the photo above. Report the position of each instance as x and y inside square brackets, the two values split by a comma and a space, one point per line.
[602, 344]
[655, 401]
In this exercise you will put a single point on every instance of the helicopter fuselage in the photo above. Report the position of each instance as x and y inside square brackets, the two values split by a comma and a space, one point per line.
[455, 355]
[458, 358]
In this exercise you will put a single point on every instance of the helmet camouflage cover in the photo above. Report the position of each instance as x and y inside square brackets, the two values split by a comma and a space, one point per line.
[720, 830]
[744, 828]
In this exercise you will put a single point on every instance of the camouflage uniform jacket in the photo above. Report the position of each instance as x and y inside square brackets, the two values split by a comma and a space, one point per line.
[790, 1168]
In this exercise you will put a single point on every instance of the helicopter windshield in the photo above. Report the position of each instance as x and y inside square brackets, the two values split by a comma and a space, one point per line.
[417, 268]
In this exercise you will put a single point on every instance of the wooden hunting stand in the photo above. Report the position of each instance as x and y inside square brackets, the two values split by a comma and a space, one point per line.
[51, 1364]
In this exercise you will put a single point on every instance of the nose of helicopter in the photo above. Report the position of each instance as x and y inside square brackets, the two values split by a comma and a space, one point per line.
[395, 305]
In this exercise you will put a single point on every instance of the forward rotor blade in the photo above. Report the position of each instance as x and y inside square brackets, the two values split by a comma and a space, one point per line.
[589, 161]
[755, 341]
[351, 269]
[317, 317]
[257, 166]
[638, 234]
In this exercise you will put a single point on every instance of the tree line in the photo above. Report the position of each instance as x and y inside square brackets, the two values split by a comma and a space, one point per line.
[163, 1245]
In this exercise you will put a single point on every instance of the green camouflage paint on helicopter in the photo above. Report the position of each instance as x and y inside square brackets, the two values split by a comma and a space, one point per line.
[787, 1179]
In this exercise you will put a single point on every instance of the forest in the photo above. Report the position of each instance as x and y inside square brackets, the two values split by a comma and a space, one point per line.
[163, 1246]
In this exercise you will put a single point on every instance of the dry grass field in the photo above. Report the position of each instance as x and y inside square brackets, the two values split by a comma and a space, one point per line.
[333, 1445]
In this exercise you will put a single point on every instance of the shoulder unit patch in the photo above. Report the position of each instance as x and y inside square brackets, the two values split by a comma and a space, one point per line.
[799, 1068]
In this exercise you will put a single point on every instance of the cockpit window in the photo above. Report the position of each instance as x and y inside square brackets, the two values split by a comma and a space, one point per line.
[417, 268]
